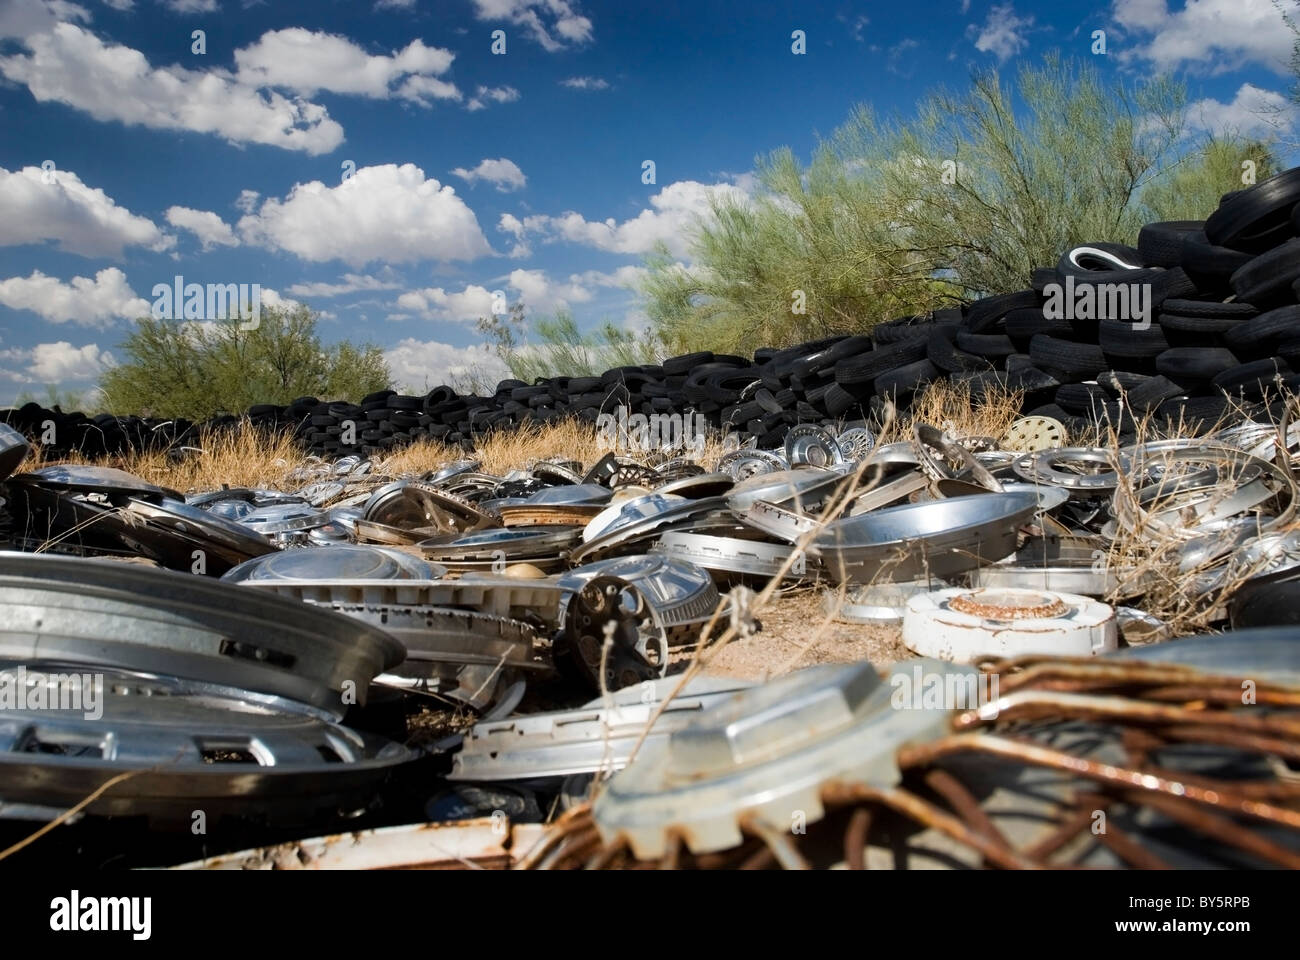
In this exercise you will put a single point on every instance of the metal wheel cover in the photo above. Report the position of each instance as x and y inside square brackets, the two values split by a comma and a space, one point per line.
[856, 443]
[765, 753]
[745, 463]
[939, 538]
[192, 521]
[803, 489]
[85, 478]
[1042, 467]
[163, 727]
[592, 738]
[13, 450]
[729, 554]
[808, 444]
[1032, 434]
[156, 621]
[341, 562]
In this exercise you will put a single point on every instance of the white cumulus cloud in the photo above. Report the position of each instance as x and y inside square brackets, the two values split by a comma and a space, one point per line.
[1211, 35]
[552, 23]
[1253, 112]
[505, 174]
[387, 212]
[79, 218]
[672, 214]
[418, 366]
[85, 301]
[488, 95]
[352, 283]
[112, 82]
[435, 303]
[585, 83]
[308, 61]
[209, 228]
[1003, 33]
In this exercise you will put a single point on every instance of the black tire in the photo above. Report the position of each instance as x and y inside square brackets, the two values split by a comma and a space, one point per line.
[1259, 333]
[1208, 263]
[767, 401]
[991, 346]
[984, 314]
[864, 368]
[902, 329]
[906, 379]
[1041, 277]
[1116, 382]
[1161, 244]
[1197, 414]
[1081, 399]
[1024, 325]
[1031, 381]
[1268, 278]
[1195, 331]
[1128, 340]
[675, 366]
[1209, 309]
[826, 359]
[1257, 218]
[945, 355]
[1250, 380]
[1147, 397]
[1194, 366]
[839, 401]
[1288, 349]
[1069, 362]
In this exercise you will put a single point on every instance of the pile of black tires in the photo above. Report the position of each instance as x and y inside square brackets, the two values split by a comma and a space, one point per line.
[1200, 319]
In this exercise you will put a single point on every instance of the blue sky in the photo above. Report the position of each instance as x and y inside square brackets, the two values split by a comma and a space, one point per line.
[127, 158]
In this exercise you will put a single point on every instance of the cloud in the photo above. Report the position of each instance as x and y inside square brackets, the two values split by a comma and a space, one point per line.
[84, 301]
[307, 61]
[247, 201]
[72, 66]
[81, 219]
[56, 363]
[1214, 35]
[119, 5]
[394, 4]
[552, 23]
[435, 303]
[352, 283]
[512, 225]
[626, 277]
[484, 95]
[1003, 33]
[670, 219]
[272, 298]
[191, 6]
[209, 228]
[1253, 112]
[25, 18]
[420, 365]
[422, 90]
[541, 294]
[505, 174]
[585, 83]
[387, 212]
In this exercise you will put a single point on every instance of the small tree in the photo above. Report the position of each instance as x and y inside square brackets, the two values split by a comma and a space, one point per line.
[558, 348]
[193, 370]
[1194, 185]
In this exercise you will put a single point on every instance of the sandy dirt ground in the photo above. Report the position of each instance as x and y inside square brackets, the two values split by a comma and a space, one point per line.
[795, 633]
